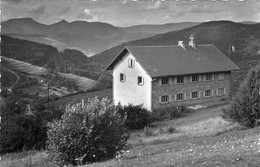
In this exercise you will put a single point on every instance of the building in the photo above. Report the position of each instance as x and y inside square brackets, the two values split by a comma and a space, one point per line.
[181, 75]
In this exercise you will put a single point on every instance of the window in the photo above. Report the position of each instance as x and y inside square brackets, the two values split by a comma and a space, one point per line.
[122, 77]
[220, 91]
[208, 77]
[179, 97]
[165, 81]
[221, 76]
[131, 63]
[207, 93]
[140, 80]
[180, 79]
[194, 78]
[164, 99]
[194, 95]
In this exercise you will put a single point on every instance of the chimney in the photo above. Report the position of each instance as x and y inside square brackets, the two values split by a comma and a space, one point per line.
[180, 43]
[192, 42]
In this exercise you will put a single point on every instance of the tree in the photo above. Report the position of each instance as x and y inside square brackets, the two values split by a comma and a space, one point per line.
[245, 106]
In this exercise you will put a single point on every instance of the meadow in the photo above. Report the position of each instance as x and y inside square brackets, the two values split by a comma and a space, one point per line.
[7, 78]
[24, 67]
[198, 138]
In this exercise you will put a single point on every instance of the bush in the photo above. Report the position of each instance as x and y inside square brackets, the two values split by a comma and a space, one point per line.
[137, 117]
[88, 132]
[245, 106]
[148, 131]
[167, 112]
[21, 129]
[171, 130]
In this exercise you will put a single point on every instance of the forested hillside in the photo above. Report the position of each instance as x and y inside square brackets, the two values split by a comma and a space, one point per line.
[67, 61]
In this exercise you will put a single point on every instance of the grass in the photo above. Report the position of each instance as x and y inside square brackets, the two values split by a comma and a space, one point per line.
[77, 98]
[7, 78]
[200, 138]
[20, 66]
[26, 159]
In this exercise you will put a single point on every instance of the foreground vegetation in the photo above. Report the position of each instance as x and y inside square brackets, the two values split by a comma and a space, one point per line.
[198, 141]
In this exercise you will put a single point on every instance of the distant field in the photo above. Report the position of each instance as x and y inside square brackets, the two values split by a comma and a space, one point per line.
[72, 99]
[16, 65]
[21, 66]
[7, 78]
[82, 82]
[42, 39]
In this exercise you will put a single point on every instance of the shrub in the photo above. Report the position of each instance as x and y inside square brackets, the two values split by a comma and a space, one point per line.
[167, 112]
[245, 106]
[171, 130]
[90, 132]
[21, 129]
[137, 117]
[148, 131]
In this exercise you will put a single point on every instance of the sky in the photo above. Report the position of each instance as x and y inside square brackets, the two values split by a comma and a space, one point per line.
[124, 13]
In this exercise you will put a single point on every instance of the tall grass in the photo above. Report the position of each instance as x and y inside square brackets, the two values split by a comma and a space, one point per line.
[207, 127]
[26, 159]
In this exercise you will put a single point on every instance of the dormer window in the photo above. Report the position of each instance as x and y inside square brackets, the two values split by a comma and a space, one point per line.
[131, 63]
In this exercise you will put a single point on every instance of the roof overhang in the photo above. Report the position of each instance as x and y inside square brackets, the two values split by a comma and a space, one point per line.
[117, 58]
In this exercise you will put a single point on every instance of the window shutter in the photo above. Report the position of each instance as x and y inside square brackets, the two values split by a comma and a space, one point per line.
[142, 80]
[225, 91]
[212, 92]
[187, 79]
[173, 97]
[174, 80]
[160, 81]
[212, 77]
[124, 77]
[170, 98]
[129, 63]
[160, 99]
[184, 96]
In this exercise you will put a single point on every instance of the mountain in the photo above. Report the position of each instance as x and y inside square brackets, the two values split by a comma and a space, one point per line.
[222, 34]
[92, 37]
[159, 29]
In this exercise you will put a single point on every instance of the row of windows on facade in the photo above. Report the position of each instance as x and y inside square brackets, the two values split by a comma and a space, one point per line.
[193, 78]
[193, 95]
[179, 79]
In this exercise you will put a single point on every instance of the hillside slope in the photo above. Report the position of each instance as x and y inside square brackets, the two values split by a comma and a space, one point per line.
[92, 37]
[220, 33]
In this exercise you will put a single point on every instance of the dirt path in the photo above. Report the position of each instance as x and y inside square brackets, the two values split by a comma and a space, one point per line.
[18, 78]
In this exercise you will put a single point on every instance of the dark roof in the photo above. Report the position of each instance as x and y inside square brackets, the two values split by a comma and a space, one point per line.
[174, 60]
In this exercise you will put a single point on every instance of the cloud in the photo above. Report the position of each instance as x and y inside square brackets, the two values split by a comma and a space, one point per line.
[16, 1]
[38, 9]
[155, 5]
[177, 14]
[88, 14]
[196, 8]
[63, 10]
